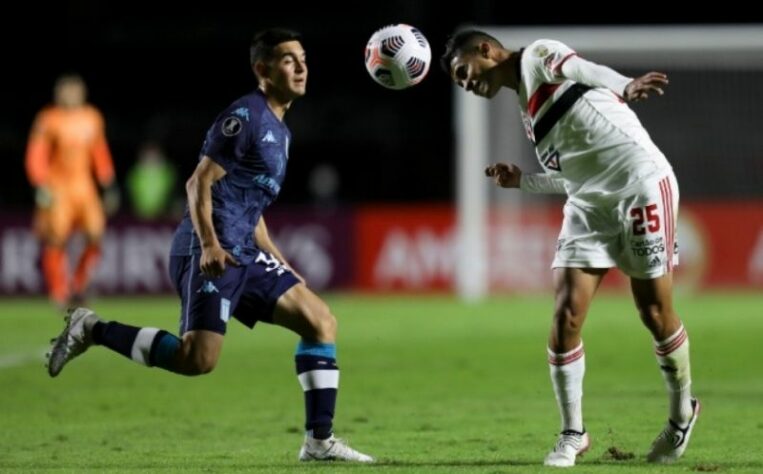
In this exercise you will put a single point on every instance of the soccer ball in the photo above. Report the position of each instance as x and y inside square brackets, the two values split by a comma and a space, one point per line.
[398, 56]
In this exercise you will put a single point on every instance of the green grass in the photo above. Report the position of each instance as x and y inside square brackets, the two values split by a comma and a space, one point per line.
[428, 385]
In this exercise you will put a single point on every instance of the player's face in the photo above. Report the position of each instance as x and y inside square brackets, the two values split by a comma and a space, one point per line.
[475, 72]
[70, 94]
[288, 69]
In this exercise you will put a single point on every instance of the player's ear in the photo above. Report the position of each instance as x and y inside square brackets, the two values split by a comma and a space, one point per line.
[484, 49]
[261, 69]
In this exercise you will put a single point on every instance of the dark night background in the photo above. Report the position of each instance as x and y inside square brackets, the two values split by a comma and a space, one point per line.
[162, 73]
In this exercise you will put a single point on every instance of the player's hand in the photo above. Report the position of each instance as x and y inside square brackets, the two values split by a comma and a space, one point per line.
[111, 199]
[506, 175]
[43, 198]
[213, 261]
[640, 88]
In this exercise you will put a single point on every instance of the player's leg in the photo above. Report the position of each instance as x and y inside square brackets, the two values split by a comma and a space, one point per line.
[654, 301]
[649, 256]
[53, 226]
[205, 311]
[574, 289]
[587, 244]
[195, 354]
[302, 311]
[93, 222]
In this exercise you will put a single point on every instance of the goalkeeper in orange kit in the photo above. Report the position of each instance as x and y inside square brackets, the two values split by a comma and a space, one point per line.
[67, 148]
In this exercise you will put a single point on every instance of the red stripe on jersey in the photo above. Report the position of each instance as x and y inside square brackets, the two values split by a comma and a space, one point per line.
[540, 96]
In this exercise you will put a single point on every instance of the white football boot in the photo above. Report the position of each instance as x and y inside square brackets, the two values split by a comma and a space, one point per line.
[331, 449]
[569, 445]
[671, 443]
[73, 340]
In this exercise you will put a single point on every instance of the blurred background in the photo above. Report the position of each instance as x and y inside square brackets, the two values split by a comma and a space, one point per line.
[369, 199]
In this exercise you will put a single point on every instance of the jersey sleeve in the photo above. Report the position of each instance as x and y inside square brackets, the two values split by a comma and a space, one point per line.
[37, 158]
[227, 140]
[103, 165]
[547, 58]
[596, 75]
[542, 183]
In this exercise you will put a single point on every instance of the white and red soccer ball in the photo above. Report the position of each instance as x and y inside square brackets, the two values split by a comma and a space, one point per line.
[398, 56]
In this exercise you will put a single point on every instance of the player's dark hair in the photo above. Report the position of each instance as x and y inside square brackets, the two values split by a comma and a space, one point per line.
[68, 77]
[463, 41]
[264, 42]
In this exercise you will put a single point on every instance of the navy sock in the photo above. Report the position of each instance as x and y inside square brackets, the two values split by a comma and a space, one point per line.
[319, 376]
[116, 336]
[147, 346]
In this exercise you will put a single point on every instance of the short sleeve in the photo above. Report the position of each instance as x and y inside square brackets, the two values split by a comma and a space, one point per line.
[227, 140]
[547, 57]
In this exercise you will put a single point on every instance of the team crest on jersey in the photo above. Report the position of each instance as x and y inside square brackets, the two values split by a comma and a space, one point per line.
[231, 126]
[550, 159]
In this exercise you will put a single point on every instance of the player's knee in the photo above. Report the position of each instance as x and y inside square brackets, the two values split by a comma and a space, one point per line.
[324, 323]
[200, 364]
[569, 315]
[195, 360]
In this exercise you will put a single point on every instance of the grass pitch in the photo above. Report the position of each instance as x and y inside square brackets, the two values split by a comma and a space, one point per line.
[428, 385]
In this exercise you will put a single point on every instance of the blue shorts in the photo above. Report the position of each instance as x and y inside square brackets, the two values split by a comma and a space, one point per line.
[247, 292]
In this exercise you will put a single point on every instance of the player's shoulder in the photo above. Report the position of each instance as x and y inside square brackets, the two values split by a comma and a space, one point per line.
[46, 113]
[247, 108]
[91, 112]
[542, 48]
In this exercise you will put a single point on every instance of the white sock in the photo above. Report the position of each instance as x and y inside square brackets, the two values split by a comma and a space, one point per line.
[567, 371]
[673, 359]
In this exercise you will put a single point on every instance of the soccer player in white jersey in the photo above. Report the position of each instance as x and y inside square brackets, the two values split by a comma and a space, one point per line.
[620, 212]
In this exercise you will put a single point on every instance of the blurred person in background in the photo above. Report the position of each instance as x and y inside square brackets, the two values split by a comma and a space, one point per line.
[67, 161]
[223, 262]
[151, 182]
[620, 212]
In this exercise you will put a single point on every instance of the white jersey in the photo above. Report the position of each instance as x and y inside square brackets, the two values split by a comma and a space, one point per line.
[598, 147]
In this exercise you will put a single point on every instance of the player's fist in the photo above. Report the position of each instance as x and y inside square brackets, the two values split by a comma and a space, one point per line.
[506, 175]
[640, 88]
[213, 261]
[43, 197]
[111, 199]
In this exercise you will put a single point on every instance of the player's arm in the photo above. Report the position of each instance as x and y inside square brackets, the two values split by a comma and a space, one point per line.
[199, 191]
[596, 75]
[262, 238]
[103, 167]
[37, 160]
[508, 175]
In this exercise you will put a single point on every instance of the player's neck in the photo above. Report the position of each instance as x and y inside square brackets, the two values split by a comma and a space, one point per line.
[510, 69]
[277, 107]
[277, 104]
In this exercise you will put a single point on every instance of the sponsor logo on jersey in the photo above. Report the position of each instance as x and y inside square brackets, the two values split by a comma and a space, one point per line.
[268, 183]
[540, 51]
[242, 112]
[269, 138]
[648, 247]
[231, 126]
[208, 287]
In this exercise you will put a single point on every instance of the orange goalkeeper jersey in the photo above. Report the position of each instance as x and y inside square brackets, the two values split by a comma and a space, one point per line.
[66, 148]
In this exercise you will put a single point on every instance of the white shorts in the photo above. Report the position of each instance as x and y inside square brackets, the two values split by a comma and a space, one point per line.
[636, 234]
